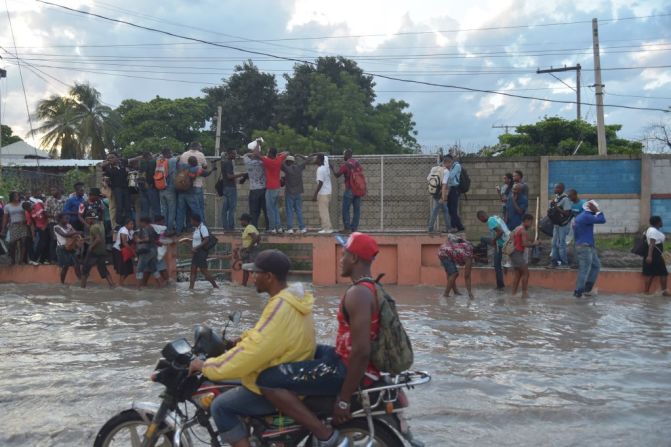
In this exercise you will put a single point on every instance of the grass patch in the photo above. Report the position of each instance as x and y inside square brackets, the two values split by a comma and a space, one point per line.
[618, 242]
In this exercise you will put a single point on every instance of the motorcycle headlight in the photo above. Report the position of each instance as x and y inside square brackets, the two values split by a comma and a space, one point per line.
[204, 400]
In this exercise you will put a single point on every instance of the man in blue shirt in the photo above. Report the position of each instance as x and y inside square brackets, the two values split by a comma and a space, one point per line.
[586, 254]
[167, 164]
[516, 207]
[71, 207]
[451, 191]
[499, 236]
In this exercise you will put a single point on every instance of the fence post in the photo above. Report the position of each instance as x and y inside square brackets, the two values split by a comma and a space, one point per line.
[382, 193]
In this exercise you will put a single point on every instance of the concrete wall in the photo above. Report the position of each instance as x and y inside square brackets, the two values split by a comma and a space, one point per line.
[628, 188]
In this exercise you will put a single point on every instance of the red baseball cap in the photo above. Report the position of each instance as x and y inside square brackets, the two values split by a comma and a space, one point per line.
[360, 244]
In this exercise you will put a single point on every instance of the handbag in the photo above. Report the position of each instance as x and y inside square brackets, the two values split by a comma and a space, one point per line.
[127, 253]
[219, 186]
[546, 226]
[211, 241]
[640, 247]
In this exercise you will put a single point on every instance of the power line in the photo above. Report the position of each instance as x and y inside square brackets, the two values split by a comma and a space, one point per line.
[291, 59]
[23, 85]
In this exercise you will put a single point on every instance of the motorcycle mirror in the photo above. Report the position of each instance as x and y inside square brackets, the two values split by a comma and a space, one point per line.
[235, 317]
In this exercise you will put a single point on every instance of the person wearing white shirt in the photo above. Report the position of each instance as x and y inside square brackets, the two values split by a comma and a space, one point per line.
[195, 150]
[200, 251]
[322, 194]
[654, 264]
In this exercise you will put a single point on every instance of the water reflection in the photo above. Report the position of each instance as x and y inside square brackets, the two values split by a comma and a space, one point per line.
[506, 371]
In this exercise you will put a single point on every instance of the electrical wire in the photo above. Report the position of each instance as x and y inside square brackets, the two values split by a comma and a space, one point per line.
[23, 86]
[378, 75]
[572, 88]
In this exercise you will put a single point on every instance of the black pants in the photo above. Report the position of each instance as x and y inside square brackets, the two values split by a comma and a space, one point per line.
[257, 203]
[53, 257]
[122, 203]
[98, 261]
[453, 208]
[40, 248]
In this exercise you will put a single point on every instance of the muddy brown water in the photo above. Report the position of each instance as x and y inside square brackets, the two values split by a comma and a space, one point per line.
[549, 371]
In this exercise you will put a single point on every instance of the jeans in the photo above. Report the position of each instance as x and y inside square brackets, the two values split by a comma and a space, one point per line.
[272, 207]
[453, 208]
[437, 207]
[200, 202]
[322, 376]
[294, 202]
[588, 268]
[498, 258]
[168, 198]
[228, 208]
[122, 203]
[150, 202]
[40, 248]
[229, 408]
[185, 199]
[348, 200]
[257, 203]
[559, 235]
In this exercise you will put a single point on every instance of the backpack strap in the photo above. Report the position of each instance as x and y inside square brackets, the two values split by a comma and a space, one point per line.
[369, 280]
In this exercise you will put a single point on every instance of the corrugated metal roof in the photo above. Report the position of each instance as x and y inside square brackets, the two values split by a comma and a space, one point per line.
[32, 163]
[21, 149]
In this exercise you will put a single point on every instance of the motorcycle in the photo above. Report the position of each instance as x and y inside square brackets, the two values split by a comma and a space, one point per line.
[377, 411]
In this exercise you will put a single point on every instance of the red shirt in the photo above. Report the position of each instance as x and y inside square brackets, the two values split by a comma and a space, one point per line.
[518, 234]
[344, 337]
[346, 170]
[272, 167]
[37, 217]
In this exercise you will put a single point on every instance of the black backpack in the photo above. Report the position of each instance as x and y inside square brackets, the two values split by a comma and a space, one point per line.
[464, 181]
[556, 216]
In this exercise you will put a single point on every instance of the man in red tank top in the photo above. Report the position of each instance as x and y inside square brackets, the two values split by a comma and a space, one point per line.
[335, 371]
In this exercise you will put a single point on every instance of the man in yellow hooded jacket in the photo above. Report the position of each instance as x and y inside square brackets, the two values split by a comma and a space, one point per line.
[284, 333]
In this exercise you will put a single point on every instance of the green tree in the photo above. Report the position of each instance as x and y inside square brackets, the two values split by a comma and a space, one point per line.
[339, 114]
[77, 125]
[558, 136]
[249, 100]
[8, 136]
[163, 123]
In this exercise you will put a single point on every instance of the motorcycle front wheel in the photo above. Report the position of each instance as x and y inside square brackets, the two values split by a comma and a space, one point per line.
[127, 429]
[357, 432]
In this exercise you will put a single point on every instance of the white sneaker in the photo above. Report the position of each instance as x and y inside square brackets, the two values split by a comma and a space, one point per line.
[290, 231]
[325, 231]
[304, 230]
[33, 263]
[273, 231]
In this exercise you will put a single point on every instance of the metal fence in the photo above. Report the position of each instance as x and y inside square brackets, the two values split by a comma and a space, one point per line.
[397, 198]
[28, 180]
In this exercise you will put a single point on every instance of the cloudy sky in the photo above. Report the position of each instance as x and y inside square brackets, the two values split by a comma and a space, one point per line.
[481, 44]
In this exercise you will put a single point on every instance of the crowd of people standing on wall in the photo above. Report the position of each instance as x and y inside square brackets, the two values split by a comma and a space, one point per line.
[144, 202]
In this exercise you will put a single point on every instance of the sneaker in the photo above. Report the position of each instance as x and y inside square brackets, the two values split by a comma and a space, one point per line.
[333, 441]
[33, 263]
[325, 231]
[551, 265]
[273, 232]
[591, 293]
[577, 294]
[304, 230]
[290, 231]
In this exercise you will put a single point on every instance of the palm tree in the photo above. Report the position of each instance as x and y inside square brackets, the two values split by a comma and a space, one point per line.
[78, 124]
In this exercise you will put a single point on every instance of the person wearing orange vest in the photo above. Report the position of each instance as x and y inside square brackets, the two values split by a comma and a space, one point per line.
[164, 182]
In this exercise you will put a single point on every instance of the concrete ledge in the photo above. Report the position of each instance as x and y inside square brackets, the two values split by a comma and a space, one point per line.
[405, 259]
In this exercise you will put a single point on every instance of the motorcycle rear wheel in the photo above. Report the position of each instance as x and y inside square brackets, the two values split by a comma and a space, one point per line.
[357, 432]
[127, 429]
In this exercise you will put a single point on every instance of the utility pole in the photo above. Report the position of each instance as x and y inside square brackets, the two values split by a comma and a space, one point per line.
[577, 69]
[3, 74]
[504, 126]
[217, 141]
[600, 125]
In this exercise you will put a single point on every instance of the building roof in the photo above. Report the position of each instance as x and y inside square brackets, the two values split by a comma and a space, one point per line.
[49, 163]
[22, 150]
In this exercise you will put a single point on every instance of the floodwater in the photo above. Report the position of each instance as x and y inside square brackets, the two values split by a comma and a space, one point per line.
[549, 371]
